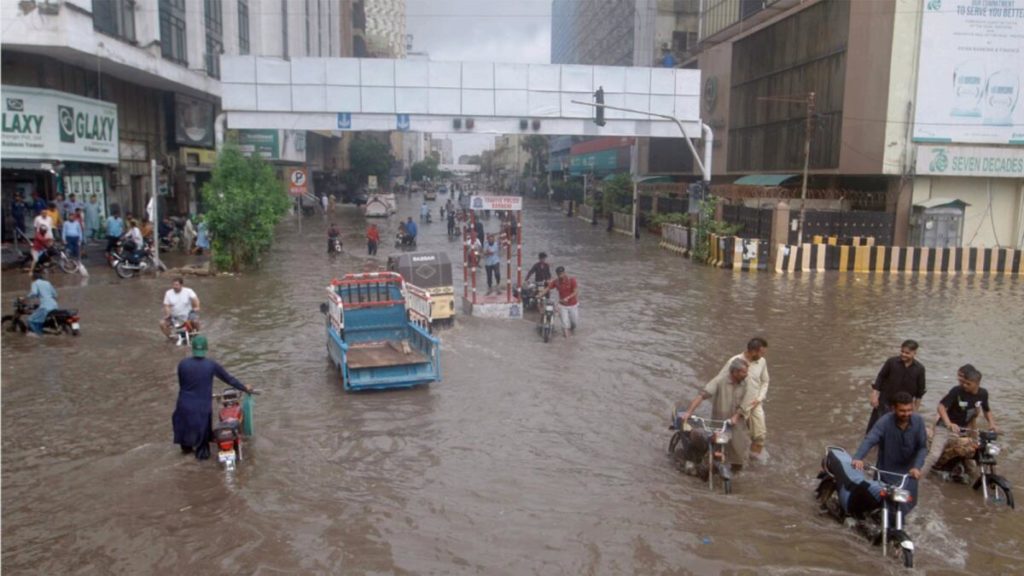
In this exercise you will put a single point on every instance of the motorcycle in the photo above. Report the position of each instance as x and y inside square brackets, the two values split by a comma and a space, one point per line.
[128, 267]
[56, 322]
[404, 241]
[699, 445]
[233, 423]
[875, 506]
[547, 320]
[184, 330]
[994, 488]
[528, 296]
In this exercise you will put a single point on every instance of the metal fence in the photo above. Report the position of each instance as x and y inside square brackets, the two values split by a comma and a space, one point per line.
[845, 225]
[755, 222]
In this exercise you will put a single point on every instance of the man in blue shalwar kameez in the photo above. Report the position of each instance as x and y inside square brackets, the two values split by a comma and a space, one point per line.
[191, 419]
[902, 444]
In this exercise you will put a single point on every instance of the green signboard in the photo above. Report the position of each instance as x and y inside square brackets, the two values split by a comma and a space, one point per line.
[261, 143]
[603, 162]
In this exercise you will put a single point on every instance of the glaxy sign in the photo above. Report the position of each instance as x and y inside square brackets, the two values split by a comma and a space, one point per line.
[41, 124]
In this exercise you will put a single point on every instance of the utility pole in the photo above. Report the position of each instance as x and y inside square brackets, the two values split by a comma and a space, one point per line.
[808, 130]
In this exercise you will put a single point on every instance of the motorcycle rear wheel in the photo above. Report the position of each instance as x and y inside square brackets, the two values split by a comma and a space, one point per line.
[123, 271]
[68, 265]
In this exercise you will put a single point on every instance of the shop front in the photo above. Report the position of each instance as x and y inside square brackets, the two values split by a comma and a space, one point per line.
[55, 143]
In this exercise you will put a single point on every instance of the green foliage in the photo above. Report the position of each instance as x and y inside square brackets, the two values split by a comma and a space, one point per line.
[244, 201]
[369, 156]
[426, 168]
[706, 226]
[617, 194]
[537, 147]
[678, 218]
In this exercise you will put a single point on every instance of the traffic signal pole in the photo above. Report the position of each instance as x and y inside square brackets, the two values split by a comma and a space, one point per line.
[704, 164]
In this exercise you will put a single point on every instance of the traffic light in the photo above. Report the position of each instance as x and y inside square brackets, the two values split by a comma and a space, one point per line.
[599, 99]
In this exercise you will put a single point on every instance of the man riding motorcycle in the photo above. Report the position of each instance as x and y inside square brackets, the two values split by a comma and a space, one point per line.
[180, 304]
[46, 294]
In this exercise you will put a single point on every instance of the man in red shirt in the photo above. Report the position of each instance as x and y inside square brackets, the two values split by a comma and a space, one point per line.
[568, 303]
[372, 240]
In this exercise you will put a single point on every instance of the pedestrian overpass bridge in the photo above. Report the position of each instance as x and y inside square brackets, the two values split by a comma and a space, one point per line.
[353, 94]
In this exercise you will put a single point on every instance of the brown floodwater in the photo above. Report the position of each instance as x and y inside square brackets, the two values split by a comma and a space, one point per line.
[527, 458]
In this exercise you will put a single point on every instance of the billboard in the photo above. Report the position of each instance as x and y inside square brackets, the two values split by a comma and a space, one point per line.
[969, 72]
[271, 144]
[496, 203]
[193, 122]
[41, 124]
[979, 161]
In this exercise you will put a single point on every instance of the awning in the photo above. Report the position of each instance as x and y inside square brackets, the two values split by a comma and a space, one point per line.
[941, 203]
[764, 179]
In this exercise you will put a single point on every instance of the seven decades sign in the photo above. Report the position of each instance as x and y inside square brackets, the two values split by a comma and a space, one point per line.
[43, 124]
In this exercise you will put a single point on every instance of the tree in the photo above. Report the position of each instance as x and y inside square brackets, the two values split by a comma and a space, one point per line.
[426, 168]
[617, 193]
[244, 201]
[537, 147]
[369, 156]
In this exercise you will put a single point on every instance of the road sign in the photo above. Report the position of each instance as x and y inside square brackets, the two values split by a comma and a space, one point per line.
[298, 183]
[372, 183]
[496, 203]
[402, 122]
[344, 121]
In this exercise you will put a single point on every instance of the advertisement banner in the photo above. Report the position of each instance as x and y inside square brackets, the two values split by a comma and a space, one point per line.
[259, 143]
[285, 145]
[970, 161]
[41, 124]
[496, 203]
[193, 122]
[969, 73]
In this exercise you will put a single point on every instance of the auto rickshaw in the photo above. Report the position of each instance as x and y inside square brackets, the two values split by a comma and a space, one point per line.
[431, 272]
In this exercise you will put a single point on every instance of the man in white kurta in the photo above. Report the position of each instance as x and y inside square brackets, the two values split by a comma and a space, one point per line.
[757, 376]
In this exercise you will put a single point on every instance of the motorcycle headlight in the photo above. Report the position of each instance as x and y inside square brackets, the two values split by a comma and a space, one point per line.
[992, 450]
[723, 437]
[902, 496]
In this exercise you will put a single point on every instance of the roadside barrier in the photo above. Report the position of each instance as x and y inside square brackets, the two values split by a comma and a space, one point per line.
[676, 238]
[723, 251]
[919, 260]
[837, 241]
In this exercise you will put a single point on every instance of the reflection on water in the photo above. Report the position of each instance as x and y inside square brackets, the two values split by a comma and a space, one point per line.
[527, 458]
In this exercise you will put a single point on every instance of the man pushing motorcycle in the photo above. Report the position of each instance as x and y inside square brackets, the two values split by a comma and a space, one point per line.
[180, 304]
[902, 443]
[191, 419]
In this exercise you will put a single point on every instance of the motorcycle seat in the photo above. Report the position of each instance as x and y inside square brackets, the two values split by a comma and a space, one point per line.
[226, 425]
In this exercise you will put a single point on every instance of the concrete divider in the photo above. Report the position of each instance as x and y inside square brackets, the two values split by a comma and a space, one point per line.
[622, 223]
[918, 260]
[837, 241]
[676, 238]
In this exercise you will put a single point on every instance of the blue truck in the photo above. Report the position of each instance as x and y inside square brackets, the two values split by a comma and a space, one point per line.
[372, 339]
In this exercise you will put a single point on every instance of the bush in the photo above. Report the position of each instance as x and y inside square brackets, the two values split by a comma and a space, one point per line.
[678, 218]
[617, 194]
[244, 201]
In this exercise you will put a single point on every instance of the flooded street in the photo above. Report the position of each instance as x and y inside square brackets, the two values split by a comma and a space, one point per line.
[527, 458]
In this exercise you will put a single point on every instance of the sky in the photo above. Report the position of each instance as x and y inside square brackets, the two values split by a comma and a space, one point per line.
[480, 30]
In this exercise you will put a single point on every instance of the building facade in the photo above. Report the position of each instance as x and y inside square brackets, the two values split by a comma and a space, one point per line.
[897, 119]
[385, 28]
[152, 69]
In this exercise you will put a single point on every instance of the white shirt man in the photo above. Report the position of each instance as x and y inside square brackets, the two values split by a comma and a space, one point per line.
[757, 376]
[43, 219]
[180, 303]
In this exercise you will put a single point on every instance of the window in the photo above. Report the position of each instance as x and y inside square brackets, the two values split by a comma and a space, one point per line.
[214, 36]
[172, 30]
[243, 26]
[114, 17]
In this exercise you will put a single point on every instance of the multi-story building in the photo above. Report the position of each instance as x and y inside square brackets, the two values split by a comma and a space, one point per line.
[914, 104]
[112, 84]
[443, 148]
[509, 160]
[385, 28]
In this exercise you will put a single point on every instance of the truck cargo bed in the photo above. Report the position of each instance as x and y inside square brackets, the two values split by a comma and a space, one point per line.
[381, 354]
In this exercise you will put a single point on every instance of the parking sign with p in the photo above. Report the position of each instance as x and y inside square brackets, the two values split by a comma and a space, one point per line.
[297, 181]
